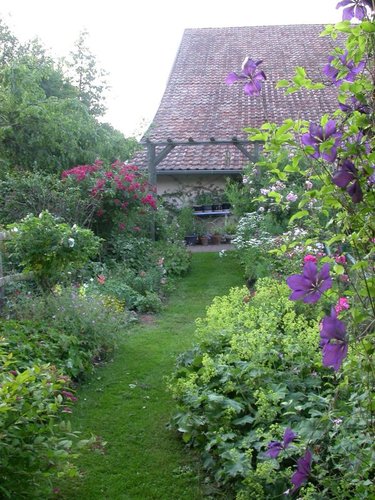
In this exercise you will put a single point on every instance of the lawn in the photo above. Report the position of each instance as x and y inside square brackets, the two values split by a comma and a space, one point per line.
[127, 406]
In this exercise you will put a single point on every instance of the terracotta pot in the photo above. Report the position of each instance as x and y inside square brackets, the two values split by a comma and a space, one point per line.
[216, 239]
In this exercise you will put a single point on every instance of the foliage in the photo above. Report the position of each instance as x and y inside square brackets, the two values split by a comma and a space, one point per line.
[125, 201]
[44, 125]
[186, 222]
[47, 248]
[142, 274]
[35, 444]
[174, 256]
[33, 192]
[331, 162]
[86, 76]
[255, 371]
[69, 328]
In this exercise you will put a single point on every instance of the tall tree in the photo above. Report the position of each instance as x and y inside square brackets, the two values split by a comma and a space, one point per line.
[9, 44]
[87, 76]
[45, 124]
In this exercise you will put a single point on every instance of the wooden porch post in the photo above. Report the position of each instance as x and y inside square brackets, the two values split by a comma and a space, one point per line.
[151, 165]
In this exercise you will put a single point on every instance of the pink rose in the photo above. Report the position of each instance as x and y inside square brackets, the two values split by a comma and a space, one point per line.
[340, 259]
[342, 305]
[310, 258]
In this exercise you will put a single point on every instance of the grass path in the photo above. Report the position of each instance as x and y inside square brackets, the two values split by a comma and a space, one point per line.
[127, 405]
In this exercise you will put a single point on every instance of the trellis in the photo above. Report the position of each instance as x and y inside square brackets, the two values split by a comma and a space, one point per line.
[154, 157]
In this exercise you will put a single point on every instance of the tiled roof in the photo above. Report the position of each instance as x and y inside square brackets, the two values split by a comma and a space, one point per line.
[197, 103]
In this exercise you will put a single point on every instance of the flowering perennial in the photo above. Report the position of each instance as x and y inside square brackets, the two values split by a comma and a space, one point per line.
[250, 75]
[275, 447]
[317, 135]
[352, 70]
[310, 285]
[346, 176]
[354, 9]
[303, 471]
[333, 341]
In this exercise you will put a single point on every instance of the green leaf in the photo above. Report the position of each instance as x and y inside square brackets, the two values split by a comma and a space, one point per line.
[368, 26]
[338, 269]
[291, 168]
[282, 84]
[298, 215]
[344, 26]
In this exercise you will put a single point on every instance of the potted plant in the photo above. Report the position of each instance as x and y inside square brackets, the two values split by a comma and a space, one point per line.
[230, 231]
[187, 225]
[205, 201]
[204, 239]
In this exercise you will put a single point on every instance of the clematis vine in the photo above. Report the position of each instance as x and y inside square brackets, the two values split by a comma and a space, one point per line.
[347, 177]
[250, 75]
[310, 285]
[303, 471]
[333, 341]
[317, 135]
[352, 69]
[354, 9]
[275, 447]
[353, 104]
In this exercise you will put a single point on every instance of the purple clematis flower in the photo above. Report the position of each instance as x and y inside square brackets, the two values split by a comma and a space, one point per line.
[317, 135]
[275, 447]
[333, 341]
[354, 9]
[352, 69]
[303, 471]
[347, 177]
[353, 104]
[310, 285]
[249, 74]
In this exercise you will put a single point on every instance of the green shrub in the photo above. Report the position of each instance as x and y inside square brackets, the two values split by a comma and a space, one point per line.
[48, 248]
[75, 331]
[33, 192]
[35, 444]
[255, 371]
[176, 259]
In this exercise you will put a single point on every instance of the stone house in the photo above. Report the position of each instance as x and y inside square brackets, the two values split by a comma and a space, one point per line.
[196, 139]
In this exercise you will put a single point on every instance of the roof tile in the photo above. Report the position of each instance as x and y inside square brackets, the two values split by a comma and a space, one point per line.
[197, 103]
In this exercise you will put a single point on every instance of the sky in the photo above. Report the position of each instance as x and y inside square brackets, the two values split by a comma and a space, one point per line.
[136, 42]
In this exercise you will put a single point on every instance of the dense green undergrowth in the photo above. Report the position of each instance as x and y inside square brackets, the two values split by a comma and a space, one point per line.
[256, 370]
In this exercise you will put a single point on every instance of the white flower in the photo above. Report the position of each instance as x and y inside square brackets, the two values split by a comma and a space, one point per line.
[74, 227]
[71, 242]
[261, 209]
[15, 230]
[264, 191]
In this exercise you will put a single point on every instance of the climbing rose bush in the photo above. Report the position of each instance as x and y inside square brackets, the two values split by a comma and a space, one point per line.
[123, 198]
